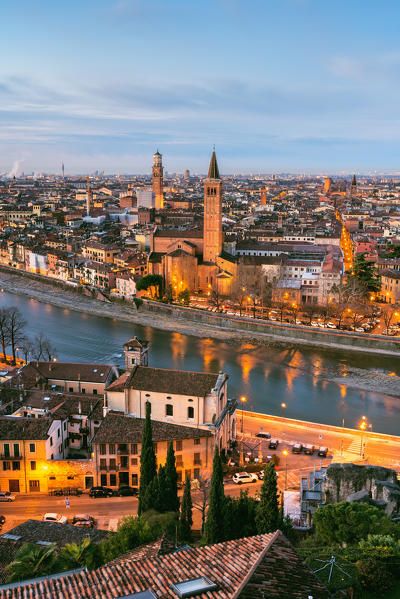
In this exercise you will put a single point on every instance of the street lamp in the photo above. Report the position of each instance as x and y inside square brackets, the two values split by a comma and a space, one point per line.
[243, 399]
[285, 453]
[283, 406]
[363, 426]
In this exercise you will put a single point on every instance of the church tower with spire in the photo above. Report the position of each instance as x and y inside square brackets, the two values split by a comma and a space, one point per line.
[212, 213]
[158, 180]
[353, 187]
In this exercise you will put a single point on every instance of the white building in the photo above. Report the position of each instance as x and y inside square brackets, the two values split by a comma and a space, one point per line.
[145, 197]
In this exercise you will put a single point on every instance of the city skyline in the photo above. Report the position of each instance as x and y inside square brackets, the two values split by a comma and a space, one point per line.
[296, 88]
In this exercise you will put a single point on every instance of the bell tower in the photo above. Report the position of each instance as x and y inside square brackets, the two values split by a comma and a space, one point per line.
[136, 353]
[212, 213]
[158, 180]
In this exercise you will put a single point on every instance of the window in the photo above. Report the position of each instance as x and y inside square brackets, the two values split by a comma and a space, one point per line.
[124, 462]
[179, 462]
[111, 448]
[113, 480]
[16, 450]
[196, 459]
[103, 464]
[94, 391]
[58, 432]
[179, 474]
[70, 477]
[169, 410]
[103, 480]
[134, 448]
[103, 449]
[6, 450]
[190, 412]
[196, 441]
[83, 391]
[134, 461]
[196, 473]
[32, 447]
[51, 441]
[71, 389]
[65, 426]
[33, 465]
[134, 479]
[6, 466]
[178, 445]
[16, 466]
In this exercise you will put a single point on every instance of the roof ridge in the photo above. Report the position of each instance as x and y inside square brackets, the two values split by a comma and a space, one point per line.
[257, 562]
[177, 370]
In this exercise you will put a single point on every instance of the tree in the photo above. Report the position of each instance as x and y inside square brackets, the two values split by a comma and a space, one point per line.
[16, 324]
[186, 516]
[26, 347]
[346, 522]
[240, 298]
[4, 332]
[215, 299]
[74, 555]
[131, 532]
[151, 283]
[148, 467]
[366, 274]
[171, 481]
[308, 311]
[32, 560]
[213, 529]
[184, 297]
[42, 348]
[240, 516]
[204, 494]
[387, 315]
[169, 294]
[268, 517]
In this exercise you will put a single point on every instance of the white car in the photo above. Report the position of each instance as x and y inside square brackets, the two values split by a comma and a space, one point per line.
[4, 496]
[331, 325]
[314, 323]
[244, 477]
[360, 330]
[50, 517]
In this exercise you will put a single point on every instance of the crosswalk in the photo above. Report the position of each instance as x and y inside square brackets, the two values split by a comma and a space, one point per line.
[355, 447]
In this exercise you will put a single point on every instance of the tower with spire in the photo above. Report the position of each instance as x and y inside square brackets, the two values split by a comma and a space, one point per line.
[212, 212]
[353, 187]
[158, 180]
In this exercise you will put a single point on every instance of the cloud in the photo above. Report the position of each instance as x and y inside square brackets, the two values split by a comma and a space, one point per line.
[344, 66]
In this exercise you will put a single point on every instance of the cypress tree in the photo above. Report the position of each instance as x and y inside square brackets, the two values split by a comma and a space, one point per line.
[268, 516]
[171, 482]
[214, 527]
[161, 500]
[148, 466]
[186, 518]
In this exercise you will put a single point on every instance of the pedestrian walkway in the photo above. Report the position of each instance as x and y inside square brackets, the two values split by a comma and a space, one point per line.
[354, 447]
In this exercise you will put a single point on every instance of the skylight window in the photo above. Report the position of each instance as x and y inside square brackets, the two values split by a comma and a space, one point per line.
[196, 586]
[140, 595]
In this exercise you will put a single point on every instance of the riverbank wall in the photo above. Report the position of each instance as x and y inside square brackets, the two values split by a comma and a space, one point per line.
[195, 322]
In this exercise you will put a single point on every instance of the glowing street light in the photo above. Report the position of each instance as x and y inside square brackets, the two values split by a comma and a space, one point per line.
[243, 399]
[362, 426]
[283, 406]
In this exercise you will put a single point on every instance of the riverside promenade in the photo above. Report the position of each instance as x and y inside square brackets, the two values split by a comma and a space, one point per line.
[344, 444]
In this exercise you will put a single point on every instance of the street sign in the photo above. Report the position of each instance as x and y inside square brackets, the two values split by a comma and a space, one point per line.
[320, 437]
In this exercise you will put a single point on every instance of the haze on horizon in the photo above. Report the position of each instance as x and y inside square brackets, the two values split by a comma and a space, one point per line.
[289, 86]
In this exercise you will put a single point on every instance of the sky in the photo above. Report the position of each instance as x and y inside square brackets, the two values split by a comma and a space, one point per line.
[277, 85]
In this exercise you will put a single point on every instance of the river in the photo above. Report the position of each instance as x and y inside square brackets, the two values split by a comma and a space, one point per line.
[313, 383]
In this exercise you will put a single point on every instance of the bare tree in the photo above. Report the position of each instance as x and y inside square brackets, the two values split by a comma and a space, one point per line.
[387, 315]
[4, 332]
[16, 323]
[215, 299]
[26, 346]
[309, 311]
[42, 348]
[240, 298]
[356, 314]
[202, 503]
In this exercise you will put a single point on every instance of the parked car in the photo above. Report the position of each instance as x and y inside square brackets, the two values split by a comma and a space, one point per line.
[273, 444]
[308, 449]
[244, 477]
[83, 520]
[322, 452]
[297, 448]
[53, 517]
[263, 435]
[101, 492]
[6, 496]
[127, 491]
[331, 325]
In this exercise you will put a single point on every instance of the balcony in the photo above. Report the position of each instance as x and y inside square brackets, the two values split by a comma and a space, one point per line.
[10, 457]
[123, 450]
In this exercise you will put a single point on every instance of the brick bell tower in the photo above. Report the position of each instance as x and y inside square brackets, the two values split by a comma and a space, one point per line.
[158, 180]
[212, 213]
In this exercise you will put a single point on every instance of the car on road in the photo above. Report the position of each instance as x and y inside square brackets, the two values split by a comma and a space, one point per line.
[53, 517]
[331, 325]
[297, 448]
[127, 491]
[273, 444]
[241, 478]
[308, 449]
[101, 492]
[323, 452]
[263, 435]
[83, 520]
[6, 496]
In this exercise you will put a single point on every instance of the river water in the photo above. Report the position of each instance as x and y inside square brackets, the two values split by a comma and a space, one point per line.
[313, 383]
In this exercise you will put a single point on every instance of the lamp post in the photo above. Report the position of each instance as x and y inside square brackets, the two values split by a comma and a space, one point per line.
[243, 399]
[283, 406]
[285, 453]
[363, 426]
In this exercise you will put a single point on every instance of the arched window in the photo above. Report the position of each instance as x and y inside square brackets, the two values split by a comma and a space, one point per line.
[169, 409]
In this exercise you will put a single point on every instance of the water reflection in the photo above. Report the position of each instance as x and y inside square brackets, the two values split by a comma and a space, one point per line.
[302, 378]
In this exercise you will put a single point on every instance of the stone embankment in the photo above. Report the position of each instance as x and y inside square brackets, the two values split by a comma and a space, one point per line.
[195, 322]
